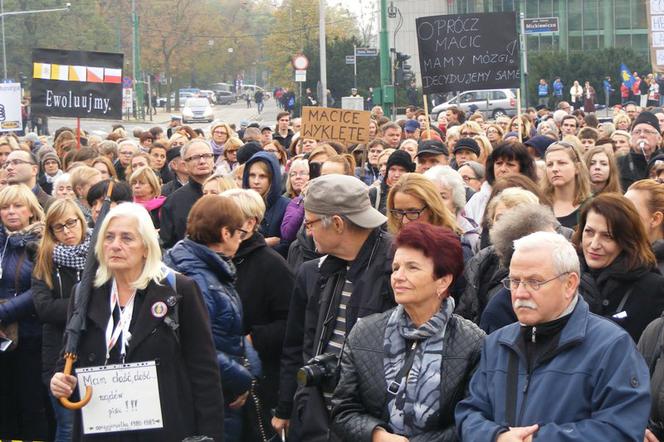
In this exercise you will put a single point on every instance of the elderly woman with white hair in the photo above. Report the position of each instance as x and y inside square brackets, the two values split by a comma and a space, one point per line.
[141, 311]
[453, 192]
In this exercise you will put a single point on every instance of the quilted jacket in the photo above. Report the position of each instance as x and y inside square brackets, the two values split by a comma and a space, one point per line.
[360, 399]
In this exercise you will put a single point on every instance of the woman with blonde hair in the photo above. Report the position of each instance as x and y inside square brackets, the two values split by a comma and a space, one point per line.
[220, 132]
[146, 189]
[485, 148]
[648, 197]
[217, 183]
[567, 182]
[58, 267]
[622, 121]
[526, 126]
[227, 162]
[23, 407]
[105, 167]
[603, 171]
[82, 178]
[494, 133]
[343, 164]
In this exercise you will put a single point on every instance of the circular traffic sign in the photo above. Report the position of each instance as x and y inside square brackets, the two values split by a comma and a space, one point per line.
[300, 62]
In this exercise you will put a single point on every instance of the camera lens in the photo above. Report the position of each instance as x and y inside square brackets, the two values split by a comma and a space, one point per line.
[309, 375]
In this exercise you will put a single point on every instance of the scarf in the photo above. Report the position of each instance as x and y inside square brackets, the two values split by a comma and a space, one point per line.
[152, 204]
[51, 179]
[217, 150]
[418, 399]
[72, 256]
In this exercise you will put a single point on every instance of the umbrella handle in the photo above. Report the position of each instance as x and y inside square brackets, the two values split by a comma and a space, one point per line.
[69, 363]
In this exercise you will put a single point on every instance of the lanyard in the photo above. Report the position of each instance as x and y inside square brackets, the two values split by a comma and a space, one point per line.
[122, 326]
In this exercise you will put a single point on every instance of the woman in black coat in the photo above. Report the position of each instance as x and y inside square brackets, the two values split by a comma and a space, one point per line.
[58, 268]
[164, 314]
[620, 280]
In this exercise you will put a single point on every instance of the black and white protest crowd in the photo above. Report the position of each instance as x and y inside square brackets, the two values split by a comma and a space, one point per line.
[466, 279]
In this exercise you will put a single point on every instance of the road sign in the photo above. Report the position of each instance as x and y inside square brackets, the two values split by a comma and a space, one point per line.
[300, 62]
[127, 82]
[366, 52]
[300, 75]
[350, 59]
[537, 25]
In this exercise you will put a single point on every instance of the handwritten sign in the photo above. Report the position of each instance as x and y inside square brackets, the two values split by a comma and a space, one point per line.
[343, 125]
[125, 397]
[655, 14]
[468, 51]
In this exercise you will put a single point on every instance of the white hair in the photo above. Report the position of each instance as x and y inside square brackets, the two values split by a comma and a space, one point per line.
[446, 176]
[187, 146]
[565, 259]
[408, 141]
[153, 269]
[129, 141]
[64, 178]
[559, 115]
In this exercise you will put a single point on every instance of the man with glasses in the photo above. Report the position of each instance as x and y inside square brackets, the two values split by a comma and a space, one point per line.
[331, 293]
[560, 373]
[199, 163]
[645, 141]
[22, 168]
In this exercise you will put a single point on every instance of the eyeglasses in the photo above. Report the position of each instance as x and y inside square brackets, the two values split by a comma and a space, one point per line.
[197, 158]
[640, 132]
[412, 215]
[69, 224]
[468, 179]
[17, 162]
[308, 224]
[513, 284]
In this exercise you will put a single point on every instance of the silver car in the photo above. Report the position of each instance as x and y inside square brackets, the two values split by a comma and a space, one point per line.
[197, 109]
[491, 103]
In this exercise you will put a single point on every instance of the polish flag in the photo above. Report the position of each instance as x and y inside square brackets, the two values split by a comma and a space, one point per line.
[112, 75]
[95, 75]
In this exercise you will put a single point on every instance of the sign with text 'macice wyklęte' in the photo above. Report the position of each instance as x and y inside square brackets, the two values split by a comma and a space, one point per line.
[329, 124]
[76, 84]
[468, 51]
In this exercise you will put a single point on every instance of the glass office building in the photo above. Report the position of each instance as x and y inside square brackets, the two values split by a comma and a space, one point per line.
[583, 24]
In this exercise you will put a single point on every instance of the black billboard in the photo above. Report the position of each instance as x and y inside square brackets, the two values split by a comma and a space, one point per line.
[76, 84]
[468, 51]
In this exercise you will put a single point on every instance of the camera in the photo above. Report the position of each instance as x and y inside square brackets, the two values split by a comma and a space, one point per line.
[322, 370]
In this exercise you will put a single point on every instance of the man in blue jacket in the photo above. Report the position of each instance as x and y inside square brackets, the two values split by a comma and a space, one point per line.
[560, 373]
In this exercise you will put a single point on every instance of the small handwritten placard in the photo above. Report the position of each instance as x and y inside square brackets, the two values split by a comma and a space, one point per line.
[125, 397]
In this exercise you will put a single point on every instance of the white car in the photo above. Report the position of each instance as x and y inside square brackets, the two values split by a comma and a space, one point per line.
[197, 109]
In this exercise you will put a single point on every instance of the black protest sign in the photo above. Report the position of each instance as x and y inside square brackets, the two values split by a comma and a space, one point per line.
[328, 124]
[76, 84]
[468, 51]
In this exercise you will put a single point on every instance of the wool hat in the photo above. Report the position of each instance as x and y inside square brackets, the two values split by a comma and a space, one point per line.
[401, 158]
[247, 151]
[50, 156]
[433, 147]
[540, 143]
[467, 143]
[649, 118]
[343, 195]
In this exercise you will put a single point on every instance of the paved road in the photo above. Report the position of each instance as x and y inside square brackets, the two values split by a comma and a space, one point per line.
[231, 114]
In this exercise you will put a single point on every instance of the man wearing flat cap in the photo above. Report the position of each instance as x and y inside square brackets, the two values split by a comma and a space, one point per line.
[350, 281]
[645, 141]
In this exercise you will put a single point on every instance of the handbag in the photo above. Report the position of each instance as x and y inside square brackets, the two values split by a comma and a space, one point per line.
[9, 331]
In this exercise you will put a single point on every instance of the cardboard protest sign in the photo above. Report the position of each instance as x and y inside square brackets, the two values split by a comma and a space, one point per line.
[328, 124]
[76, 84]
[10, 107]
[468, 51]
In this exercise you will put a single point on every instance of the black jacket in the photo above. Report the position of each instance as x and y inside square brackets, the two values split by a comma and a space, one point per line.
[171, 186]
[483, 275]
[604, 290]
[650, 346]
[319, 281]
[189, 383]
[658, 248]
[632, 167]
[264, 283]
[51, 306]
[360, 399]
[175, 211]
[301, 250]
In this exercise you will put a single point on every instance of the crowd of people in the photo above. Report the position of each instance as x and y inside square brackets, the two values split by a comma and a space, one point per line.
[463, 279]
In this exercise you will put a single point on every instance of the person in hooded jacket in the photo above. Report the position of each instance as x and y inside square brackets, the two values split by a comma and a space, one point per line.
[58, 267]
[23, 398]
[620, 279]
[214, 233]
[265, 300]
[648, 197]
[262, 174]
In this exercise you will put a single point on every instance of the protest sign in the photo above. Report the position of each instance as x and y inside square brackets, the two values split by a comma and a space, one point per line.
[468, 51]
[328, 124]
[125, 397]
[76, 84]
[10, 107]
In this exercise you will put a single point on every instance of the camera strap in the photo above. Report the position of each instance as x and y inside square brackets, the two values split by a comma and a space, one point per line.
[395, 385]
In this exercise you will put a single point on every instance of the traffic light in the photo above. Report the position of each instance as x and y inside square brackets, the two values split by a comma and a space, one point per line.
[402, 71]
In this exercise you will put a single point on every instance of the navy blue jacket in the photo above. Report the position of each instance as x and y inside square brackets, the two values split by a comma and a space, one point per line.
[215, 277]
[275, 203]
[15, 287]
[593, 386]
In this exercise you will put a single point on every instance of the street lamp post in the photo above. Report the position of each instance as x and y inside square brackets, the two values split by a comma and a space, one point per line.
[4, 14]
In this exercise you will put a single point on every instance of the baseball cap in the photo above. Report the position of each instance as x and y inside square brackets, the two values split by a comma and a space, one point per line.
[411, 126]
[343, 195]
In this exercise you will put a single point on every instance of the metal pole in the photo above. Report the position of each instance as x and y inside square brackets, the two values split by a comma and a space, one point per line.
[138, 86]
[355, 66]
[149, 96]
[524, 68]
[385, 67]
[4, 47]
[323, 54]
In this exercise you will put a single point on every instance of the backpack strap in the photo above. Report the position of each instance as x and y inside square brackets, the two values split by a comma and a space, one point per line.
[172, 319]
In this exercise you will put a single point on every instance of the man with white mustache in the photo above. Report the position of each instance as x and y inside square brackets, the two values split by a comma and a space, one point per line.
[560, 373]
